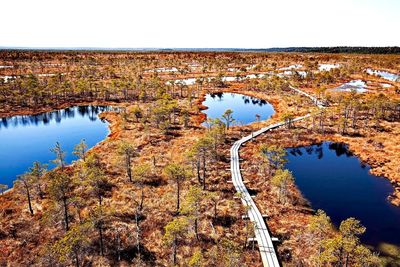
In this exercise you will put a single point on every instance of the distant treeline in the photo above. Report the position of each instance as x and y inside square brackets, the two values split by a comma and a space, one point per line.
[340, 49]
[337, 49]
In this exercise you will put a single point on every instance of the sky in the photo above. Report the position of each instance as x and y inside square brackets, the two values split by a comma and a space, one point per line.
[199, 24]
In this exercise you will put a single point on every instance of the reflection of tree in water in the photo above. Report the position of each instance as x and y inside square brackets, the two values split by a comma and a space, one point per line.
[296, 151]
[319, 151]
[310, 150]
[68, 112]
[218, 95]
[57, 116]
[254, 101]
[246, 99]
[4, 122]
[340, 149]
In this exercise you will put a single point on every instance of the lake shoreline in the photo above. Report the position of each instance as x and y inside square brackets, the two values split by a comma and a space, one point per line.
[376, 162]
[27, 111]
[325, 170]
[102, 115]
[287, 218]
[276, 104]
[200, 117]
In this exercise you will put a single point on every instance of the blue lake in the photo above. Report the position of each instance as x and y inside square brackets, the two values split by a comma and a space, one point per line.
[334, 180]
[245, 108]
[25, 139]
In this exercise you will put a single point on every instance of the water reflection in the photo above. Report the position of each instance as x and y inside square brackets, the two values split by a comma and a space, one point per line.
[358, 86]
[25, 139]
[384, 74]
[335, 180]
[246, 109]
[246, 99]
[217, 95]
[340, 149]
[90, 112]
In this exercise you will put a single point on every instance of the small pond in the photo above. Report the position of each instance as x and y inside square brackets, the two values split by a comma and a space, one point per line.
[327, 67]
[286, 73]
[384, 74]
[358, 86]
[245, 108]
[25, 139]
[334, 180]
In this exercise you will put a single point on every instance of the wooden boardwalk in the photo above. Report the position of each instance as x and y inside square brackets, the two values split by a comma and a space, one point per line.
[262, 234]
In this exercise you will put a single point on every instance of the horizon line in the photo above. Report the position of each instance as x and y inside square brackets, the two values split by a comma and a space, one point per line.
[178, 48]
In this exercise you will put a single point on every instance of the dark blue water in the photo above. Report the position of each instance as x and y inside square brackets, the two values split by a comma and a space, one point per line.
[334, 180]
[25, 139]
[244, 107]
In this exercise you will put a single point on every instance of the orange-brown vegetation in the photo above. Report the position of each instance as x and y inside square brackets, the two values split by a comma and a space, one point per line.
[125, 81]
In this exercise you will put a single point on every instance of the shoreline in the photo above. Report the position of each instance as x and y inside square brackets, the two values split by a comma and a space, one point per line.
[302, 209]
[103, 116]
[276, 104]
[31, 112]
[201, 117]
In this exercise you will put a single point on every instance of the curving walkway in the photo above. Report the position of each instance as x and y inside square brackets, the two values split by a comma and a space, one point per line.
[315, 100]
[263, 236]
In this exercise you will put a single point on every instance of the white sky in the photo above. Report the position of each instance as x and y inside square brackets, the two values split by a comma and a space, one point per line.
[199, 24]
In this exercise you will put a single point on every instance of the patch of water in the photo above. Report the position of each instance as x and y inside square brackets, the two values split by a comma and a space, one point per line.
[335, 180]
[355, 85]
[384, 74]
[245, 108]
[327, 67]
[25, 139]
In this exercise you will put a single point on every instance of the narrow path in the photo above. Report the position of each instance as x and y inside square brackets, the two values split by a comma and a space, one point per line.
[263, 236]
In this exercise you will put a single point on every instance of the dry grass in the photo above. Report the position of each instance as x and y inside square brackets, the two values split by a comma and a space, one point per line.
[22, 237]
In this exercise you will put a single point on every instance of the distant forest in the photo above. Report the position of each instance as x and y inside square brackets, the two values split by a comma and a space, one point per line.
[340, 49]
[337, 49]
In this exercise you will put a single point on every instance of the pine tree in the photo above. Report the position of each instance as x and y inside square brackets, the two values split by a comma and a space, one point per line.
[281, 180]
[25, 181]
[228, 118]
[175, 230]
[177, 173]
[95, 178]
[140, 175]
[60, 155]
[128, 152]
[80, 150]
[191, 206]
[60, 191]
[36, 173]
[72, 244]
